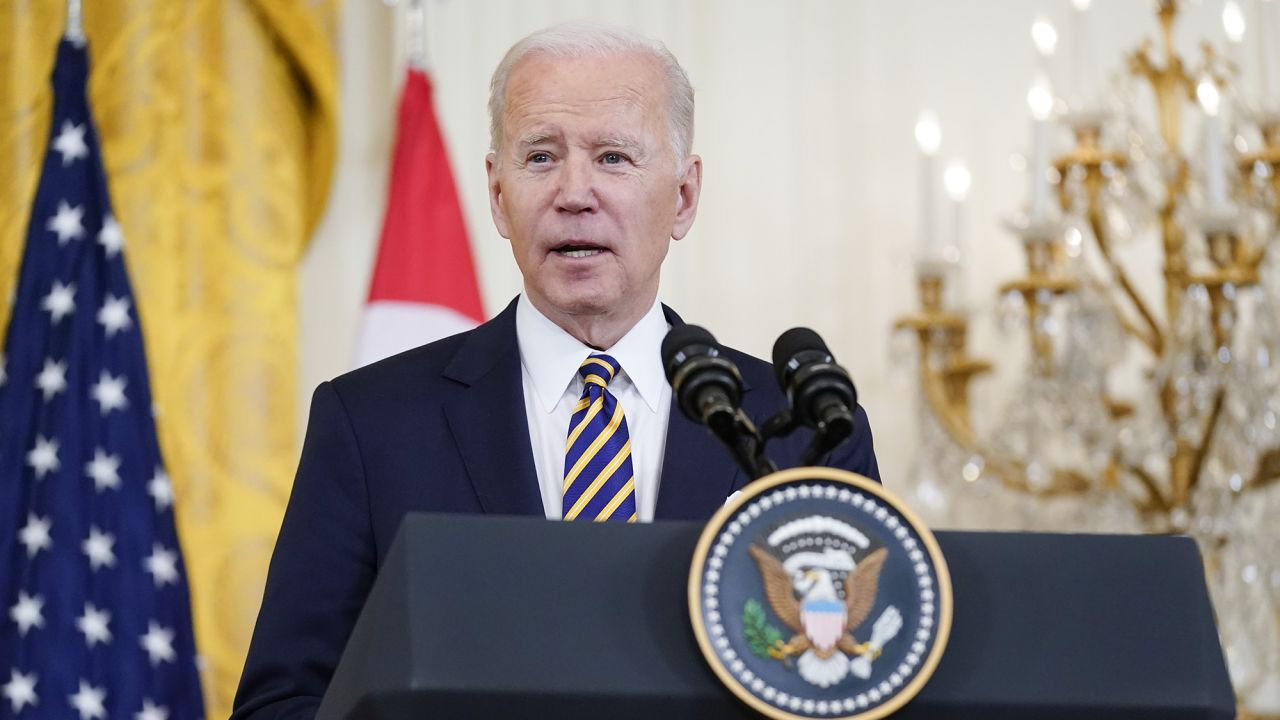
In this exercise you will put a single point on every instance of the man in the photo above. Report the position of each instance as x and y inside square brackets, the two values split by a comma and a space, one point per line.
[590, 178]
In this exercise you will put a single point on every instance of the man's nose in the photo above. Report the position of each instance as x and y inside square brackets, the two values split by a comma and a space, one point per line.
[577, 187]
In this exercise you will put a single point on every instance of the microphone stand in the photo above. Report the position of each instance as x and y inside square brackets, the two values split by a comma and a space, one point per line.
[739, 435]
[836, 427]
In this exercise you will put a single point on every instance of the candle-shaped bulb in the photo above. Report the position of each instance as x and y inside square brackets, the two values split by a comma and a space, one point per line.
[928, 133]
[1207, 94]
[929, 138]
[1215, 158]
[1233, 21]
[957, 181]
[1040, 99]
[1045, 36]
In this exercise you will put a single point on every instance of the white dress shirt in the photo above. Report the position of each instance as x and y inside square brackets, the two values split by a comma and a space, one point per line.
[549, 360]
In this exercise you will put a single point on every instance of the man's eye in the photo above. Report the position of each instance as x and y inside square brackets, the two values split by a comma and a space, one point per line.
[612, 158]
[539, 157]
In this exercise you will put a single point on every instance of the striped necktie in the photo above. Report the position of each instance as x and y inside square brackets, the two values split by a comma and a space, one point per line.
[599, 483]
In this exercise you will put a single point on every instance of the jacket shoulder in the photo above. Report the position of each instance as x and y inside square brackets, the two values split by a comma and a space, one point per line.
[413, 367]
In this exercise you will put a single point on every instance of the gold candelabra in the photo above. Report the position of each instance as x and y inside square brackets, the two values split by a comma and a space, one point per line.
[1175, 466]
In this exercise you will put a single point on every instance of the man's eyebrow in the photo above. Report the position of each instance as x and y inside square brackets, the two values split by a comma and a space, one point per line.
[619, 142]
[537, 138]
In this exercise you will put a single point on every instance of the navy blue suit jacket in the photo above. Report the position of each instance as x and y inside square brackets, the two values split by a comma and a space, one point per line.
[441, 428]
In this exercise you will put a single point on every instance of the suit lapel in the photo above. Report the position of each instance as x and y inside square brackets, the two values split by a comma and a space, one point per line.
[488, 422]
[698, 473]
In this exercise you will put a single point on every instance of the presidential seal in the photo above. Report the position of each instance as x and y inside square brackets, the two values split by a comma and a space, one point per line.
[815, 593]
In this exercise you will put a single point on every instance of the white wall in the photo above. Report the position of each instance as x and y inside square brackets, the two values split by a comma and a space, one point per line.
[804, 122]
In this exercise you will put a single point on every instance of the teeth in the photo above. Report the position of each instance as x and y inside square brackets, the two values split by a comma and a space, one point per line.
[580, 253]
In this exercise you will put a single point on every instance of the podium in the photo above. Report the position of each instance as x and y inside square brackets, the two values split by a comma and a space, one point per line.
[483, 617]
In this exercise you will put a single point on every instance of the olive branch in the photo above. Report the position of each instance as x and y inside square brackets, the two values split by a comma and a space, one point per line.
[760, 635]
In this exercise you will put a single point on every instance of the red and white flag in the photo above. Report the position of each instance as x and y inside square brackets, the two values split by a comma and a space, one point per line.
[424, 281]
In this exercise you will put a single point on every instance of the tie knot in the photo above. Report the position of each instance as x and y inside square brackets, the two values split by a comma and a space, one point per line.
[598, 369]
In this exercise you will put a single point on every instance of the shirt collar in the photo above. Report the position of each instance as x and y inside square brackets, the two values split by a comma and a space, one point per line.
[552, 356]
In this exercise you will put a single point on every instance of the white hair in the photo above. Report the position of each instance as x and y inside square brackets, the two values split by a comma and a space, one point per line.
[582, 39]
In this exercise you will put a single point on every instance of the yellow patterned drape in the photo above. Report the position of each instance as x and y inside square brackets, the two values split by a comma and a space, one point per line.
[218, 128]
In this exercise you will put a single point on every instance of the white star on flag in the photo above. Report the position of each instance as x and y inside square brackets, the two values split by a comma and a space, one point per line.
[110, 237]
[93, 623]
[35, 534]
[109, 392]
[163, 565]
[28, 612]
[104, 469]
[21, 690]
[43, 458]
[60, 302]
[161, 488]
[88, 701]
[67, 222]
[114, 314]
[158, 642]
[70, 143]
[151, 711]
[99, 547]
[52, 378]
[3, 376]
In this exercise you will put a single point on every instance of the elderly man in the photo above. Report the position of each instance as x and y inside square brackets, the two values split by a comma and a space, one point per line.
[556, 407]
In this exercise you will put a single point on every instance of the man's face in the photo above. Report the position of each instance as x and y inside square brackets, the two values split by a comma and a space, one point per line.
[586, 187]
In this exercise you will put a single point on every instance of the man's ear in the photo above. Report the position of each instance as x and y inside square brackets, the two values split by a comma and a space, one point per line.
[687, 194]
[496, 207]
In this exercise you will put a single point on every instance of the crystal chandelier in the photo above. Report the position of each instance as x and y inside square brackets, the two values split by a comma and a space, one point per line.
[1130, 413]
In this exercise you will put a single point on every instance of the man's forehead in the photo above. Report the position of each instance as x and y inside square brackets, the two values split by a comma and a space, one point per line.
[545, 84]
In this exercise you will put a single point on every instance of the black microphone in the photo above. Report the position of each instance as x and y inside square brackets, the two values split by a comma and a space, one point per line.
[707, 385]
[820, 392]
[708, 388]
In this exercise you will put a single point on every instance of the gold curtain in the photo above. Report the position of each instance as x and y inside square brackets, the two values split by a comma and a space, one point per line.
[218, 127]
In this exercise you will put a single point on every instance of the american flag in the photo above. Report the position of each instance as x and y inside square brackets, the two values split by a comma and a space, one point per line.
[96, 616]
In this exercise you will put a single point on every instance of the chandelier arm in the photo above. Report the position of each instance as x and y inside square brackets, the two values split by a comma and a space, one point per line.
[958, 428]
[953, 419]
[955, 423]
[1142, 335]
[1202, 450]
[1156, 497]
[1068, 482]
[1010, 476]
[1154, 340]
[1268, 470]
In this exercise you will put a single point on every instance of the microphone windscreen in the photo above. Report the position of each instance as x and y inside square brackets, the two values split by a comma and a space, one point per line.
[680, 338]
[790, 344]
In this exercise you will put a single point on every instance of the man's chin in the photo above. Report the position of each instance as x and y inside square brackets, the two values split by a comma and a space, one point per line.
[585, 304]
[586, 307]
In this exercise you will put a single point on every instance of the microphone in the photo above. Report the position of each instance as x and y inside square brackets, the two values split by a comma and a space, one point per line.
[707, 385]
[708, 388]
[820, 392]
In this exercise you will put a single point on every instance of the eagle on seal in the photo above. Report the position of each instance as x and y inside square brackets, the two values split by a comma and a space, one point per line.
[807, 603]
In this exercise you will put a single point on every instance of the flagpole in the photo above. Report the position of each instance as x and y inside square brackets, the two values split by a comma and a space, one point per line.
[416, 33]
[75, 24]
[417, 18]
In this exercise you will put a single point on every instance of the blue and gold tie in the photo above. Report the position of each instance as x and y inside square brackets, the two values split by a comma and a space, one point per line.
[599, 483]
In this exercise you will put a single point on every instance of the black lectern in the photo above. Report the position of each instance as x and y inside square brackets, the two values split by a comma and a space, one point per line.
[484, 617]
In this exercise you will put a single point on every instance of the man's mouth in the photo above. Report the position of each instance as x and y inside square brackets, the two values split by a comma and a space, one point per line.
[578, 250]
